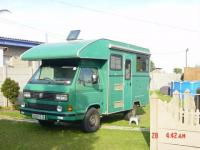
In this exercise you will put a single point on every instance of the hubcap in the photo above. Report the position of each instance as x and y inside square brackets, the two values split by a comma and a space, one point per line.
[93, 120]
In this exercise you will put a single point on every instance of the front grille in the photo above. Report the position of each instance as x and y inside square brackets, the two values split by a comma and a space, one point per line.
[42, 106]
[41, 95]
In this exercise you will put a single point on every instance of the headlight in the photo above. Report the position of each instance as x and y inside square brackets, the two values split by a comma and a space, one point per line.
[23, 105]
[27, 95]
[62, 97]
[59, 108]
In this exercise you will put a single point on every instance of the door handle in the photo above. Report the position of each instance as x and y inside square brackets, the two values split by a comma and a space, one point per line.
[130, 83]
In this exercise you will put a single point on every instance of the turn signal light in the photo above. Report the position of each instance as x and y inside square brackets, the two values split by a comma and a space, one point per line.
[69, 108]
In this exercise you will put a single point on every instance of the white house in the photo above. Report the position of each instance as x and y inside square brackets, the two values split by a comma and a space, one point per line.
[10, 64]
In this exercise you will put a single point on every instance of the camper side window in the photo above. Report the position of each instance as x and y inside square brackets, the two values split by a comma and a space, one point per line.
[115, 62]
[128, 69]
[142, 63]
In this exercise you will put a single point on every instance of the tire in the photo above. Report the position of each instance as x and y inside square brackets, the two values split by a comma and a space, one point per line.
[46, 123]
[91, 121]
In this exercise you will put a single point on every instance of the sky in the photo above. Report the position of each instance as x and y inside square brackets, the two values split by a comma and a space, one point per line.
[166, 27]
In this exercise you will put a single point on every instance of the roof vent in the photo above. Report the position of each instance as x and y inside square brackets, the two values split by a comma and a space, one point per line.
[73, 35]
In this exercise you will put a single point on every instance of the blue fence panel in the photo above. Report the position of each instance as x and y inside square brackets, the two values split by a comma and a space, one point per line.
[184, 85]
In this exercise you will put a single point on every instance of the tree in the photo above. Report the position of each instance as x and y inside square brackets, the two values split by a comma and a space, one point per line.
[10, 90]
[152, 66]
[177, 70]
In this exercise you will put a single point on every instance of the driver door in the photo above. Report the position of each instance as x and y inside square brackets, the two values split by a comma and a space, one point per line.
[87, 91]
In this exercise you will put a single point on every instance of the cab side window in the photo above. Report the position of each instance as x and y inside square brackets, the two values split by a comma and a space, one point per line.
[87, 74]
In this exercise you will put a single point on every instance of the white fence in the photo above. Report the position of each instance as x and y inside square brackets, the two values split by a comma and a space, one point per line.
[175, 125]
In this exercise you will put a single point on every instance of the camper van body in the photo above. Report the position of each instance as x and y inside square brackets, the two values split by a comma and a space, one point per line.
[75, 78]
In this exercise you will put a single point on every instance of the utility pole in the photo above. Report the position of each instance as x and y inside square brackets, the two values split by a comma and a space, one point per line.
[186, 57]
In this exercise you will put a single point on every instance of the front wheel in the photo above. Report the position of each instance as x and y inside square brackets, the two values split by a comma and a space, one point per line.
[91, 121]
[46, 122]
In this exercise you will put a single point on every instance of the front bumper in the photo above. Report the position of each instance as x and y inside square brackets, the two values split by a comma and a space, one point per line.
[52, 115]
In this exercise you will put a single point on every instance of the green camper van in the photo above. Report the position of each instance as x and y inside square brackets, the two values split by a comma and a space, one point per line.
[83, 80]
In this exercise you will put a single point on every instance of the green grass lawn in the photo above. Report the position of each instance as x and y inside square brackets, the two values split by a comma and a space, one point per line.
[20, 135]
[117, 119]
[25, 136]
[11, 113]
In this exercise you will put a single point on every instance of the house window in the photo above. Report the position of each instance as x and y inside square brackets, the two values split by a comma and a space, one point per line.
[142, 63]
[115, 62]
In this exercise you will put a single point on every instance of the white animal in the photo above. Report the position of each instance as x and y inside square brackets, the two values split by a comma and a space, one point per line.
[135, 119]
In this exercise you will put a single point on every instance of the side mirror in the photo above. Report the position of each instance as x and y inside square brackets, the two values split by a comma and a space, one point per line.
[94, 79]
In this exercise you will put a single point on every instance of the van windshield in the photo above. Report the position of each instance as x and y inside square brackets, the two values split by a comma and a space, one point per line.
[54, 75]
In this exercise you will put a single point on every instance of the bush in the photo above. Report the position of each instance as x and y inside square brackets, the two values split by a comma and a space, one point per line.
[16, 105]
[10, 90]
[177, 70]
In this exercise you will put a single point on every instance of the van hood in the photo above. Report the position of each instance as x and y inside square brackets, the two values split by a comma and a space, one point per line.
[47, 88]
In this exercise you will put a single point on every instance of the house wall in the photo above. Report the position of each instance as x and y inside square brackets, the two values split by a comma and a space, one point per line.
[19, 74]
[16, 69]
[1, 81]
[191, 74]
[1, 57]
[160, 79]
[12, 52]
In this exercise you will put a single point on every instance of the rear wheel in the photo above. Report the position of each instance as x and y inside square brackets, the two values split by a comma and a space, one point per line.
[91, 121]
[46, 122]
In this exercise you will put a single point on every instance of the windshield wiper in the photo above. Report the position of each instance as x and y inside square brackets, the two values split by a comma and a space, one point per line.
[48, 79]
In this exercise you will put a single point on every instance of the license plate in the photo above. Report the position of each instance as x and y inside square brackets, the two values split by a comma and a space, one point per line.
[39, 117]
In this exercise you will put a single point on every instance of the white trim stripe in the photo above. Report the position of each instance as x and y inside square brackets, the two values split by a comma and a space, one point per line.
[121, 48]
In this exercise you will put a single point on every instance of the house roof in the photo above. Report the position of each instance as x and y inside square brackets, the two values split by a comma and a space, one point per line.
[5, 41]
[94, 49]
